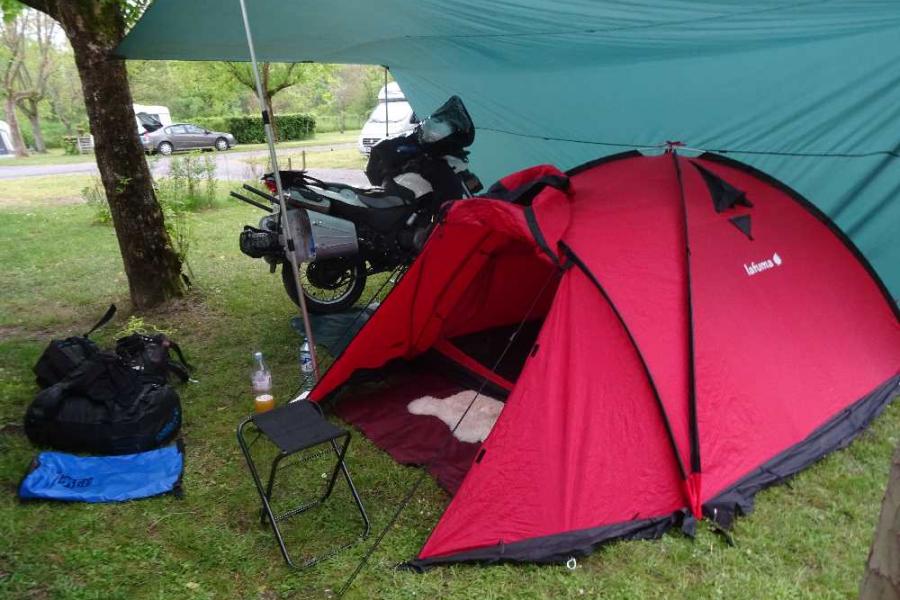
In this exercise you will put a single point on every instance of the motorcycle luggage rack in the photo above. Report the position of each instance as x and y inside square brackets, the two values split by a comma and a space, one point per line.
[251, 202]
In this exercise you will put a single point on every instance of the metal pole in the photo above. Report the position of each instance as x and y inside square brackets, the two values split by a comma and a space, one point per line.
[273, 158]
[387, 123]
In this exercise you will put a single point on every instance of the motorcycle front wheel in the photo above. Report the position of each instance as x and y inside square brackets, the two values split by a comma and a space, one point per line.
[330, 285]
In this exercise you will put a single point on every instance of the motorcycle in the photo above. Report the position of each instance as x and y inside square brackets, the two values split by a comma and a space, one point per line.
[354, 233]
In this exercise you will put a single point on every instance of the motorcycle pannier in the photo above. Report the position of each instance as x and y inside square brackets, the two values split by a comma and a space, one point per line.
[104, 407]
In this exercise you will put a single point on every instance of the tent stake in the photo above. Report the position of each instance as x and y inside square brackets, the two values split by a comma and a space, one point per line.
[273, 158]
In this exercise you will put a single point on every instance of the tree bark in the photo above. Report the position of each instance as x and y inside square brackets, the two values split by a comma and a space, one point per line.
[15, 131]
[152, 266]
[34, 117]
[882, 578]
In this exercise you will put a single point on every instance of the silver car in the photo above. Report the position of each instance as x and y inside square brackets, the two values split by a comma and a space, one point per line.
[184, 136]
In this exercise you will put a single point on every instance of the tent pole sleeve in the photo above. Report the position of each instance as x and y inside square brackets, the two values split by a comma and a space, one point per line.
[692, 381]
[273, 157]
[646, 368]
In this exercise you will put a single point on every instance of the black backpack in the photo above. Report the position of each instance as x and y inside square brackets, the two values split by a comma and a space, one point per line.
[149, 355]
[105, 406]
[61, 357]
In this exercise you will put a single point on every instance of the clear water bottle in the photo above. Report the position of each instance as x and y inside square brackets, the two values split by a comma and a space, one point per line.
[261, 382]
[306, 362]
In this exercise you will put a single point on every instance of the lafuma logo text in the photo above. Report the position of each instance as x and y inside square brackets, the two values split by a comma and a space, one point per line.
[764, 265]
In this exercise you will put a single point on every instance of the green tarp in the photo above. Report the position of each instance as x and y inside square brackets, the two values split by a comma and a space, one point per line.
[808, 91]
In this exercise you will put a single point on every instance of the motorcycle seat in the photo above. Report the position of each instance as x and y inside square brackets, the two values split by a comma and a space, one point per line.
[378, 202]
[374, 197]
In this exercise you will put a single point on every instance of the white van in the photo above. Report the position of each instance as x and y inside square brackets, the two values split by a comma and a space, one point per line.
[393, 116]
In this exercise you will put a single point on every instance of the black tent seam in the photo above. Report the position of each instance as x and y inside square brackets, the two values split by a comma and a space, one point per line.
[646, 368]
[538, 235]
[816, 212]
[693, 428]
[557, 547]
[834, 434]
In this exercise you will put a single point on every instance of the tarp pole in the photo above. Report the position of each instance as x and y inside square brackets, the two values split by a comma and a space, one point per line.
[387, 122]
[285, 228]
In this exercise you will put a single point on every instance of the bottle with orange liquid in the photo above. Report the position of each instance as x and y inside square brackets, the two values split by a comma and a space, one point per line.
[261, 382]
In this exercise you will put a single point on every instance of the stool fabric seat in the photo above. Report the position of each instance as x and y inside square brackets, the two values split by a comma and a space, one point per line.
[296, 426]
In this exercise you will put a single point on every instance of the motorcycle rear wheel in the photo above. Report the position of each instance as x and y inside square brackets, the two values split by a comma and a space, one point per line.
[330, 285]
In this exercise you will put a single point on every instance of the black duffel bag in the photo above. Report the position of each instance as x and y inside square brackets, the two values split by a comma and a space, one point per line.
[105, 407]
[61, 357]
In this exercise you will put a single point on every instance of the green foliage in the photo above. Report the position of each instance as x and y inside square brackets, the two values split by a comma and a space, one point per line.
[212, 123]
[249, 129]
[53, 131]
[344, 122]
[191, 186]
[137, 324]
[95, 197]
[70, 145]
[189, 89]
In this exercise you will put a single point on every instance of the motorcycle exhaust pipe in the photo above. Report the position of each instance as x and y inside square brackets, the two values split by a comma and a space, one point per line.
[334, 208]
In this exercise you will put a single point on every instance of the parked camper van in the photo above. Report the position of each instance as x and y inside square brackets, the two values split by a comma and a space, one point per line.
[392, 116]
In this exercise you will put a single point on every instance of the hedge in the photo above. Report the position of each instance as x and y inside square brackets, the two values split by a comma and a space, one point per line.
[249, 129]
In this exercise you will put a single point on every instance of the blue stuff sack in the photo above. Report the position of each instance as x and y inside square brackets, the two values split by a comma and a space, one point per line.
[70, 478]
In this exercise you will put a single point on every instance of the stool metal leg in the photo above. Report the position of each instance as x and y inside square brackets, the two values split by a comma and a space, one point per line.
[262, 493]
[343, 467]
[265, 492]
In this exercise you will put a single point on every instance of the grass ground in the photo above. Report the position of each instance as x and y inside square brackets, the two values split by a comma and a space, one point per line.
[345, 158]
[48, 191]
[320, 139]
[808, 539]
[55, 156]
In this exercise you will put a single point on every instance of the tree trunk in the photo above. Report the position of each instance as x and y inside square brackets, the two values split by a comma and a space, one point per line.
[15, 131]
[268, 106]
[152, 266]
[34, 117]
[882, 578]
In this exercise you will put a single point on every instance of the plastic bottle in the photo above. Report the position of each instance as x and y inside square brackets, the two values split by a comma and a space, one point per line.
[261, 382]
[306, 364]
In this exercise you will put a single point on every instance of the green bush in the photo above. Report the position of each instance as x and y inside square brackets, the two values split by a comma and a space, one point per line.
[249, 129]
[350, 122]
[212, 123]
[95, 197]
[70, 144]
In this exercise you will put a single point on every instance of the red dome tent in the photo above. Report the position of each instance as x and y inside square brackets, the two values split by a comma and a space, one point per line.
[700, 332]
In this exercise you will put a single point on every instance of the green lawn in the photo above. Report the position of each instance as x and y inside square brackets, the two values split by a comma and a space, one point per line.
[320, 139]
[54, 156]
[50, 190]
[345, 158]
[805, 540]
